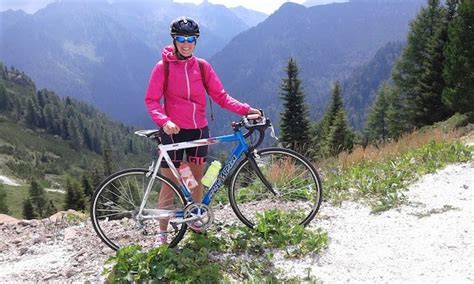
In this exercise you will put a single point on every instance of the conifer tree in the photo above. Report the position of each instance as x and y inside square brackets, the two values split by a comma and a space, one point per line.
[38, 199]
[411, 74]
[97, 176]
[65, 132]
[335, 131]
[74, 135]
[376, 128]
[459, 66]
[339, 137]
[4, 101]
[88, 139]
[30, 117]
[295, 123]
[3, 201]
[86, 186]
[28, 210]
[428, 104]
[50, 209]
[74, 198]
[107, 159]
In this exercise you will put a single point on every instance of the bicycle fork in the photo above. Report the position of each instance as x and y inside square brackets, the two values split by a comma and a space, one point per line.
[252, 156]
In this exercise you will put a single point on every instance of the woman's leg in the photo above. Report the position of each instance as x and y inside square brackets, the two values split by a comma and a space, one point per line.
[198, 173]
[165, 200]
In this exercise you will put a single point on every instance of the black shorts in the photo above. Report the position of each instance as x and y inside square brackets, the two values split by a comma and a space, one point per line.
[195, 155]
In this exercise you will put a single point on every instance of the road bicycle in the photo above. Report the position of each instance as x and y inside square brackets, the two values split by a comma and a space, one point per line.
[127, 208]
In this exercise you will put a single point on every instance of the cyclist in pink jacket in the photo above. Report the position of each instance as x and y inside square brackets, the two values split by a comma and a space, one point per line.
[177, 81]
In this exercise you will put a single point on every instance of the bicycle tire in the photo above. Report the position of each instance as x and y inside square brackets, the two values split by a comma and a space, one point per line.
[287, 171]
[116, 202]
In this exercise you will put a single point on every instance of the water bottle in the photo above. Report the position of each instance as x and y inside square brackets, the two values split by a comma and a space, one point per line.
[187, 176]
[211, 173]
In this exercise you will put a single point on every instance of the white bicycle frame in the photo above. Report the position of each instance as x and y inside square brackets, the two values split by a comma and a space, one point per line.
[163, 150]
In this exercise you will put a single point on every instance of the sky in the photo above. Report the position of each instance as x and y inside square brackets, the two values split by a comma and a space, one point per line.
[265, 6]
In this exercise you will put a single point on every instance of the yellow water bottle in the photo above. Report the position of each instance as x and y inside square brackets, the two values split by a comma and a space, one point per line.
[211, 173]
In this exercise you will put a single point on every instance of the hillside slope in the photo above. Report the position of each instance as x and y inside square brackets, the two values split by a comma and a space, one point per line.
[426, 240]
[45, 137]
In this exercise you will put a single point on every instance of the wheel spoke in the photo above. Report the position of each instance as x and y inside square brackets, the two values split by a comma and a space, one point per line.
[118, 200]
[290, 174]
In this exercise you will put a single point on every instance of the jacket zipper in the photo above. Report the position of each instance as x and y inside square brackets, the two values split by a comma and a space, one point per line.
[189, 93]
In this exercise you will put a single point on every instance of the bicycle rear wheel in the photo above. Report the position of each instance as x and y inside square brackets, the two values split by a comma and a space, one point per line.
[116, 203]
[291, 176]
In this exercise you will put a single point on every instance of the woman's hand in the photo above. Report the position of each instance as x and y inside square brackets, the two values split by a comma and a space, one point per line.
[170, 128]
[254, 111]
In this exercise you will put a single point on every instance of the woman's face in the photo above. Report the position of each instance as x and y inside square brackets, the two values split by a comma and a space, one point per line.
[185, 44]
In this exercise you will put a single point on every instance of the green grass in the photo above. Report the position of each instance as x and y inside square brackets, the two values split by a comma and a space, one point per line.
[17, 194]
[382, 181]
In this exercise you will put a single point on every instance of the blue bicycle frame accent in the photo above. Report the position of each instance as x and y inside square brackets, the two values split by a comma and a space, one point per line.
[237, 152]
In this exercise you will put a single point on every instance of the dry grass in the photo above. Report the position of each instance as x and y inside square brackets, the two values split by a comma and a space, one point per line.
[281, 171]
[407, 142]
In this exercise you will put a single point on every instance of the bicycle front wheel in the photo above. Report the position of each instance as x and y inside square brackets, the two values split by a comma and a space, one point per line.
[116, 204]
[294, 181]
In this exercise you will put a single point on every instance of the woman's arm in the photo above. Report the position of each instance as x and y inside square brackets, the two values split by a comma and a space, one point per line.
[154, 94]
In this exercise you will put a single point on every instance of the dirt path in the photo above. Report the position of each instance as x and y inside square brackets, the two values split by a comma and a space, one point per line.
[428, 240]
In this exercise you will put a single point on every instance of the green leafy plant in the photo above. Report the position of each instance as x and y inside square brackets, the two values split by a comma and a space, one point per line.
[211, 257]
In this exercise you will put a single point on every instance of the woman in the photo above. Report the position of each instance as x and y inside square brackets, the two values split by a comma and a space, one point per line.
[178, 81]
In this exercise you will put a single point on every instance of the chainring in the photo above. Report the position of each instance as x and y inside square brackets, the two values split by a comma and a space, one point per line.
[204, 214]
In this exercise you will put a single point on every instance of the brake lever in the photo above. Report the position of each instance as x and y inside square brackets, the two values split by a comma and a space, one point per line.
[272, 132]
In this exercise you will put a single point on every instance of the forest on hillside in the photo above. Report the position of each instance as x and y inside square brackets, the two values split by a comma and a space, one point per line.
[432, 80]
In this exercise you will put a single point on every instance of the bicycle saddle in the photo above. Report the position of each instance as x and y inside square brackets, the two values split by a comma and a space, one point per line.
[149, 133]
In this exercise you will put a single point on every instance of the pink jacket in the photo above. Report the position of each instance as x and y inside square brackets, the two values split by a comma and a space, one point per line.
[185, 99]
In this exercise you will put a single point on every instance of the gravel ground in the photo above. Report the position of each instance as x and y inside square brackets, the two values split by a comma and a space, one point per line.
[428, 240]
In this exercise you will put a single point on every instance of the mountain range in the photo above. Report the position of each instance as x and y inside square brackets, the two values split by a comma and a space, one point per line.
[103, 53]
[328, 42]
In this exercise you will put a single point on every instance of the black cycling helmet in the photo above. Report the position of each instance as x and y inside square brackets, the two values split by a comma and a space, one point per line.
[184, 26]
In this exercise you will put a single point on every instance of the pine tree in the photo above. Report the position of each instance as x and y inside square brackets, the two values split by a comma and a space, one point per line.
[88, 139]
[4, 101]
[3, 201]
[30, 118]
[74, 135]
[334, 130]
[28, 210]
[459, 66]
[74, 198]
[65, 132]
[412, 75]
[107, 158]
[429, 107]
[339, 137]
[50, 209]
[376, 128]
[396, 116]
[295, 123]
[86, 186]
[38, 198]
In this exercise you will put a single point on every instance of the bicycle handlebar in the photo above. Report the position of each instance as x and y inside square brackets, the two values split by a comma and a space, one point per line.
[253, 122]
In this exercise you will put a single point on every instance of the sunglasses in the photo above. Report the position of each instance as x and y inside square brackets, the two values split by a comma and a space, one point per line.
[182, 39]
